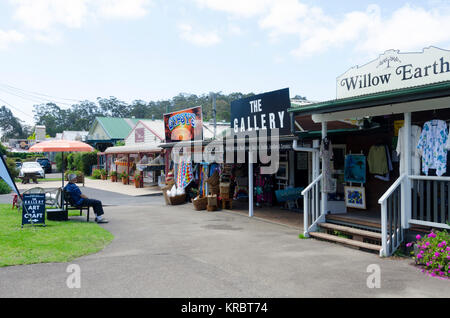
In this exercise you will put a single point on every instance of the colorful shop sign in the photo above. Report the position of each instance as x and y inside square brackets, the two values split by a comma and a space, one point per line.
[394, 70]
[184, 125]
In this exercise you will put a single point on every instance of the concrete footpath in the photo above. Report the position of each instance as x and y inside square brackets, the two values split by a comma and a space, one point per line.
[105, 185]
[161, 251]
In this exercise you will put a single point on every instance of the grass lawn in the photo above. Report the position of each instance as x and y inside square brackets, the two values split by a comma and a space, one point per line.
[55, 243]
[17, 180]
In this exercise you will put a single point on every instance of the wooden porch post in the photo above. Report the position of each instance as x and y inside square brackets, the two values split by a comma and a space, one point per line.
[141, 173]
[324, 194]
[406, 186]
[128, 168]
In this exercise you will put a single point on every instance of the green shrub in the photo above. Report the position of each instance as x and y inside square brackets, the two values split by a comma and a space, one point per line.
[103, 172]
[87, 160]
[59, 161]
[12, 168]
[4, 188]
[3, 150]
[70, 164]
[97, 174]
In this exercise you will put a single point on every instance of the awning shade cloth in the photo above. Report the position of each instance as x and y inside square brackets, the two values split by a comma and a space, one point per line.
[133, 149]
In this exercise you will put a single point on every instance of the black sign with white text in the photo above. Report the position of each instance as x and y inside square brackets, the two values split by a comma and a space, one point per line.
[262, 112]
[33, 209]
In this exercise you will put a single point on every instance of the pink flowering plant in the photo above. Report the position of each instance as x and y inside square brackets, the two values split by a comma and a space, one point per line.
[433, 252]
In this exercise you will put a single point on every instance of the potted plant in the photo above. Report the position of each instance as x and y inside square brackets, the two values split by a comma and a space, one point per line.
[114, 176]
[80, 176]
[124, 177]
[137, 180]
[104, 174]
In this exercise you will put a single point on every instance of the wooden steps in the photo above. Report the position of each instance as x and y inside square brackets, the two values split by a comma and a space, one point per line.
[345, 241]
[356, 237]
[345, 220]
[352, 231]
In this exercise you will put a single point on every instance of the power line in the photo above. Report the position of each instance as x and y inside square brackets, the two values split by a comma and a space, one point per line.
[15, 108]
[35, 99]
[31, 93]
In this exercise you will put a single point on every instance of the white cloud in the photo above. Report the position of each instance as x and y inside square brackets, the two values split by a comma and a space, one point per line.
[406, 28]
[43, 14]
[45, 18]
[123, 9]
[244, 8]
[9, 37]
[46, 14]
[208, 38]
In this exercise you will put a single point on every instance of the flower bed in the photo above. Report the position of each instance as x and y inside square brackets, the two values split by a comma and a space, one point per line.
[432, 252]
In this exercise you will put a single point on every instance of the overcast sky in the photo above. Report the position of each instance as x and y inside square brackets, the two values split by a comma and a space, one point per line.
[155, 49]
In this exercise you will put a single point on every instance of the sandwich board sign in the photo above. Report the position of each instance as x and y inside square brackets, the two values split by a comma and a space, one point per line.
[33, 209]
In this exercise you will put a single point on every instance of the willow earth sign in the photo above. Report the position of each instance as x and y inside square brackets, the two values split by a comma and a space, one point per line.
[394, 70]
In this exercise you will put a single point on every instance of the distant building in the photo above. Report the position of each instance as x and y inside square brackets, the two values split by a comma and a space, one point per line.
[73, 135]
[106, 131]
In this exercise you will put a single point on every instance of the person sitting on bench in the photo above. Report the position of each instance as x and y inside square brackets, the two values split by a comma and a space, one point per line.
[81, 200]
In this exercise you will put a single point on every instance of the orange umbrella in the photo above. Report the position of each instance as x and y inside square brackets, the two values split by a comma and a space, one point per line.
[61, 146]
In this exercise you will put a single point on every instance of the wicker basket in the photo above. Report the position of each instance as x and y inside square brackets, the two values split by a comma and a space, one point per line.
[225, 190]
[200, 203]
[178, 199]
[166, 196]
[212, 201]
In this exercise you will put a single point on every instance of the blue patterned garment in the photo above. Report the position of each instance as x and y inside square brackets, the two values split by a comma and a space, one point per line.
[432, 146]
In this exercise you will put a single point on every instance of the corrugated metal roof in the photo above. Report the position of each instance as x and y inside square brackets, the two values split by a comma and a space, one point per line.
[117, 128]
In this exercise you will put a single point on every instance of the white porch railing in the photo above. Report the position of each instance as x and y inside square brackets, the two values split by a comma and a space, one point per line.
[430, 204]
[391, 218]
[312, 211]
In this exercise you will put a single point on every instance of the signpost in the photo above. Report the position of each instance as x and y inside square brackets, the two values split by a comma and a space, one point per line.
[33, 209]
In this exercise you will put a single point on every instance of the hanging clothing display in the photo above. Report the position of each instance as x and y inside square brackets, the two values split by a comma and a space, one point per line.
[263, 189]
[387, 176]
[326, 153]
[431, 146]
[185, 173]
[377, 160]
[416, 131]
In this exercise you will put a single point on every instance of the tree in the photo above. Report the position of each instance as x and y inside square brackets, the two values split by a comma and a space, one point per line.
[10, 125]
[114, 107]
[52, 117]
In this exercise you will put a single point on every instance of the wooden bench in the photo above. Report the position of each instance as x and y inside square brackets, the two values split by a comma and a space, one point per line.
[62, 213]
[69, 205]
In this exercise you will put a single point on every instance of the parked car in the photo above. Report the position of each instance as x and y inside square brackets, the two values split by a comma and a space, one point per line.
[32, 169]
[45, 164]
[18, 166]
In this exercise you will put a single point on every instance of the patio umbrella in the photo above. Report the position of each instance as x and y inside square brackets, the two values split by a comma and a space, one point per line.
[61, 146]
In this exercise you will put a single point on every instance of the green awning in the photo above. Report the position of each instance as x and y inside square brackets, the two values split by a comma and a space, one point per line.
[436, 90]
